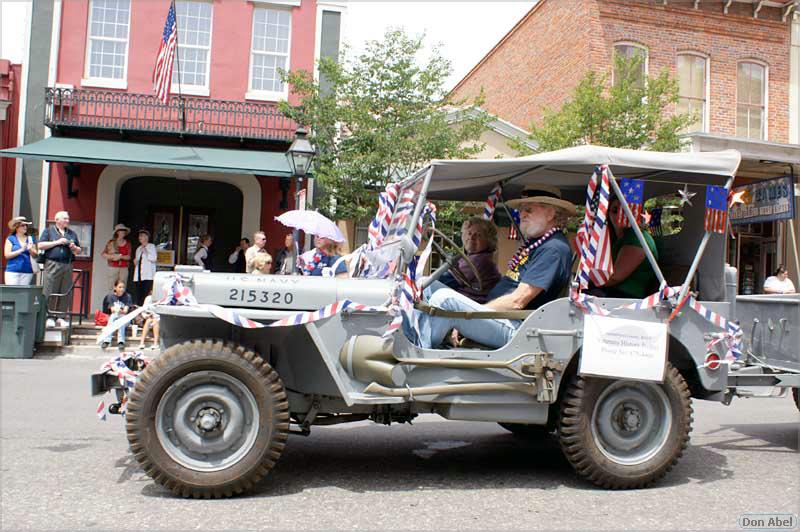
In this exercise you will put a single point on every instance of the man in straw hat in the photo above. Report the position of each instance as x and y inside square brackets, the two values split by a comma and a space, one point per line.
[536, 274]
[118, 254]
[60, 245]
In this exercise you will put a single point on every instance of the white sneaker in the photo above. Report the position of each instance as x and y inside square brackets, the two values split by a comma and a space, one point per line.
[49, 323]
[61, 323]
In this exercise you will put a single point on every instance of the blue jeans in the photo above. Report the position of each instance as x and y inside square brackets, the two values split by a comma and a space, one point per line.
[433, 329]
[120, 332]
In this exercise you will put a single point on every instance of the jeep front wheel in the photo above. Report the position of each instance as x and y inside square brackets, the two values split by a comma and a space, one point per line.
[622, 434]
[208, 419]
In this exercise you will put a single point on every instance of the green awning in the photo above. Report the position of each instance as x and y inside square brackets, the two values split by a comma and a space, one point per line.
[64, 149]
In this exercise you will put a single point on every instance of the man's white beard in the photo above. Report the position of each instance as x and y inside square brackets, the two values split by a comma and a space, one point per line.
[534, 229]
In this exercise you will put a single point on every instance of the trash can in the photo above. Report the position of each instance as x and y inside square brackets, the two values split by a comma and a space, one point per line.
[20, 307]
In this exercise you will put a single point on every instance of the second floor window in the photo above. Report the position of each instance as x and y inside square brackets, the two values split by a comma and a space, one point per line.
[629, 52]
[692, 86]
[751, 90]
[107, 56]
[194, 44]
[270, 51]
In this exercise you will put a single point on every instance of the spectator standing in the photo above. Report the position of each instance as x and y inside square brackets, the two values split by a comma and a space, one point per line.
[259, 246]
[144, 266]
[18, 251]
[779, 283]
[60, 245]
[116, 305]
[118, 254]
[237, 258]
[203, 255]
[285, 257]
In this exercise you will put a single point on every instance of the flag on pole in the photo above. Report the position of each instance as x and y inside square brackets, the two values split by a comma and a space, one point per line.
[716, 209]
[655, 221]
[633, 190]
[513, 234]
[162, 73]
[593, 240]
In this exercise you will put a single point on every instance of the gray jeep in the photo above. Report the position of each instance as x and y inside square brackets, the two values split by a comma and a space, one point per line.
[211, 415]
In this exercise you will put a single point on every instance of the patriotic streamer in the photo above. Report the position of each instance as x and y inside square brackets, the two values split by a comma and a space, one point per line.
[716, 209]
[593, 238]
[379, 227]
[491, 202]
[126, 367]
[633, 190]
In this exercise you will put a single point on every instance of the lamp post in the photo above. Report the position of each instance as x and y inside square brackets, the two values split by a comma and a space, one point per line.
[300, 157]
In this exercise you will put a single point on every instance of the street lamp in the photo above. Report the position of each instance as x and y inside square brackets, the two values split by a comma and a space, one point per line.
[300, 157]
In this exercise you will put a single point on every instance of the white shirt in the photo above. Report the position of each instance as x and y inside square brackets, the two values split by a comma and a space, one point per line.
[781, 287]
[147, 256]
[201, 254]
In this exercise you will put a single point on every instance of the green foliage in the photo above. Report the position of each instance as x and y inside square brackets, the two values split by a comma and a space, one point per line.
[376, 119]
[630, 113]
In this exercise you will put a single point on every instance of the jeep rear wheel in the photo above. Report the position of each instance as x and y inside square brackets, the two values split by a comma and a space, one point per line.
[624, 434]
[208, 419]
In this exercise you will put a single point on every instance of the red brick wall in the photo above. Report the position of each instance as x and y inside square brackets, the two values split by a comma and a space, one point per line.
[540, 61]
[724, 39]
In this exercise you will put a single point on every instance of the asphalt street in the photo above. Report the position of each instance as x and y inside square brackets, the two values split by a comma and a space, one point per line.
[62, 468]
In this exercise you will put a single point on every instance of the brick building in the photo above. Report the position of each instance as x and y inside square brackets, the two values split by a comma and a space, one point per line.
[737, 63]
[98, 143]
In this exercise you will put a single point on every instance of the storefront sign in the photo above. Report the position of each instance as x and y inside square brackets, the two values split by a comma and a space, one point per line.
[623, 349]
[165, 257]
[764, 201]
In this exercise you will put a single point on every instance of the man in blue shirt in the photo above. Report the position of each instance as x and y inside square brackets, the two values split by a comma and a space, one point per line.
[536, 274]
[60, 245]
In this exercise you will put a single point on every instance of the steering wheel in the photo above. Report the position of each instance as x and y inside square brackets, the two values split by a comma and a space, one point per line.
[450, 259]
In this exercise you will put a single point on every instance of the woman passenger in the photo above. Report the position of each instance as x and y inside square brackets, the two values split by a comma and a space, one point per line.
[480, 243]
[633, 276]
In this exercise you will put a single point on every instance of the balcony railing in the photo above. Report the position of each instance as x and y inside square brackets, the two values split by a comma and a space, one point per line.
[122, 111]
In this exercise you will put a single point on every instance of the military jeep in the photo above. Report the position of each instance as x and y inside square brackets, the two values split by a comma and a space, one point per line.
[211, 415]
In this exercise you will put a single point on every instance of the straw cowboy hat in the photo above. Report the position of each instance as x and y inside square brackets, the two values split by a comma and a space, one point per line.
[544, 194]
[121, 227]
[19, 220]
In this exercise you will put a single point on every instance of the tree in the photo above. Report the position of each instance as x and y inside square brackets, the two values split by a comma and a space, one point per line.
[630, 113]
[376, 119]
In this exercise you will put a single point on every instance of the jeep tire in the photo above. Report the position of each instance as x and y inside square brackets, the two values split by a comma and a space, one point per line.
[208, 419]
[623, 434]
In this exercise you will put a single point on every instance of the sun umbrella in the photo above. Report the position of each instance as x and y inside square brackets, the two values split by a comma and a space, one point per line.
[311, 222]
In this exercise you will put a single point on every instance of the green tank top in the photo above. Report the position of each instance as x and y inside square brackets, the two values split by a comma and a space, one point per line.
[641, 280]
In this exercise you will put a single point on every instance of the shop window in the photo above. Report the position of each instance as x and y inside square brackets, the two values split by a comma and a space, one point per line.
[693, 89]
[107, 47]
[751, 91]
[269, 53]
[190, 73]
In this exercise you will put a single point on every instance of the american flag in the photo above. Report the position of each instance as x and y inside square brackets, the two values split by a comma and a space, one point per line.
[716, 209]
[655, 221]
[633, 190]
[162, 73]
[593, 239]
[513, 234]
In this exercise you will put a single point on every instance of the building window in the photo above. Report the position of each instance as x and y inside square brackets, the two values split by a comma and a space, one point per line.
[629, 52]
[107, 49]
[751, 85]
[194, 47]
[692, 89]
[269, 52]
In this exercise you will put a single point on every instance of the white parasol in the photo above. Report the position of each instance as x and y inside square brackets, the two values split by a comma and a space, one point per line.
[313, 223]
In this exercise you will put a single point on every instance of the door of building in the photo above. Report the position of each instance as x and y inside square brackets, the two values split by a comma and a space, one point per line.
[177, 212]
